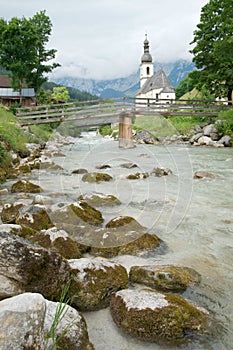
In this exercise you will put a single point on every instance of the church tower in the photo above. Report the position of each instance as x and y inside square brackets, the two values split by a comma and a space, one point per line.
[146, 66]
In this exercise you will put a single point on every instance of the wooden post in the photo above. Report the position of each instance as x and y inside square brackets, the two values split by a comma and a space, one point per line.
[125, 131]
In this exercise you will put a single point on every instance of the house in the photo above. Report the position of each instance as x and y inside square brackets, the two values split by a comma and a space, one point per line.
[8, 95]
[153, 86]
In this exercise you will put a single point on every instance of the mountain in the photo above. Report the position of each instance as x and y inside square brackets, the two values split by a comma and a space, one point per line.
[128, 86]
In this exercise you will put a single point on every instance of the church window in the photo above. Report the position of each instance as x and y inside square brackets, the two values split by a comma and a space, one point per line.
[147, 70]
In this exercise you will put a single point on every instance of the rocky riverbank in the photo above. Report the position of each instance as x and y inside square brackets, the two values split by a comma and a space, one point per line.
[200, 135]
[46, 249]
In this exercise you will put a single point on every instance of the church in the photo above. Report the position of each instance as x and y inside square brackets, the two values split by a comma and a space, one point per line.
[155, 86]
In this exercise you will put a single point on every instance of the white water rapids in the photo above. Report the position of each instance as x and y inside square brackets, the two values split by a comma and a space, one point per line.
[193, 217]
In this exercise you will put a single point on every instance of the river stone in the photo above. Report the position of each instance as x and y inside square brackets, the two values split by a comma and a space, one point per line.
[109, 243]
[205, 141]
[209, 129]
[71, 330]
[129, 165]
[58, 241]
[138, 176]
[80, 171]
[156, 317]
[22, 319]
[96, 177]
[161, 172]
[144, 136]
[30, 268]
[27, 323]
[126, 222]
[205, 174]
[195, 137]
[10, 213]
[77, 213]
[34, 218]
[94, 281]
[103, 166]
[164, 277]
[11, 228]
[100, 199]
[226, 141]
[26, 187]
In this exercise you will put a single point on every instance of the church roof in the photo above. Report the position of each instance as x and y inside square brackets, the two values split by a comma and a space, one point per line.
[157, 81]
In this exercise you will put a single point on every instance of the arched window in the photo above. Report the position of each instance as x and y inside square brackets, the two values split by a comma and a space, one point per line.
[148, 70]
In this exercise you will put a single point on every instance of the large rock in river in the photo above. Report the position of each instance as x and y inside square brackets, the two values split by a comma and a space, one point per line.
[156, 317]
[94, 281]
[28, 321]
[77, 213]
[10, 213]
[164, 277]
[58, 241]
[26, 187]
[26, 267]
[96, 177]
[100, 199]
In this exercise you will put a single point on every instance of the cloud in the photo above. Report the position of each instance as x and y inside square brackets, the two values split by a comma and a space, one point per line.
[104, 38]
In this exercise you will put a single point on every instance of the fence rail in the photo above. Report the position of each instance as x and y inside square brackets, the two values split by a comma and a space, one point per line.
[95, 112]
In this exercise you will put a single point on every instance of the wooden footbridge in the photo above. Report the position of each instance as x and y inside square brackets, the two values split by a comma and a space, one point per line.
[95, 113]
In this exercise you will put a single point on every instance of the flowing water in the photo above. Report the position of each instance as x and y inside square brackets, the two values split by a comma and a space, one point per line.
[193, 217]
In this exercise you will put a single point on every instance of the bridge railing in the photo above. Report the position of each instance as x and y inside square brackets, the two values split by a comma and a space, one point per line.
[106, 110]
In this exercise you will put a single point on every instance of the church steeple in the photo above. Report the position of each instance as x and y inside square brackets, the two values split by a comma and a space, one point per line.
[147, 66]
[146, 57]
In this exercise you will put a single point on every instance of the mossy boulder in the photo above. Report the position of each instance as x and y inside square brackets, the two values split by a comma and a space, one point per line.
[205, 174]
[165, 277]
[160, 172]
[96, 177]
[100, 199]
[94, 281]
[80, 171]
[126, 222]
[3, 175]
[77, 213]
[137, 176]
[156, 317]
[109, 243]
[34, 218]
[26, 187]
[58, 241]
[50, 166]
[10, 213]
[26, 267]
[24, 169]
[129, 165]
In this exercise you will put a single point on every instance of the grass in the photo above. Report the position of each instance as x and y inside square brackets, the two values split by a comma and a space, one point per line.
[12, 136]
[161, 126]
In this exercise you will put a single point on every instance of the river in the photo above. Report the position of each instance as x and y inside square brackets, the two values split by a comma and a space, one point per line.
[193, 217]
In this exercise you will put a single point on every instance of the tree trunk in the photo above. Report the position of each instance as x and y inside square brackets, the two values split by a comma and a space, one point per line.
[229, 96]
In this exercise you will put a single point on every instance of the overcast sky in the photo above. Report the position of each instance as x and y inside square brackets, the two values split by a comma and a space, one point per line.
[103, 39]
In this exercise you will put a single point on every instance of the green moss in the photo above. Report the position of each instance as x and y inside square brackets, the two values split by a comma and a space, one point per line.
[99, 200]
[96, 177]
[26, 187]
[164, 277]
[171, 324]
[87, 213]
[124, 221]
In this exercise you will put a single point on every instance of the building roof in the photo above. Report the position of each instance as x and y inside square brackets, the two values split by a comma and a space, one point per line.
[158, 81]
[7, 91]
[5, 81]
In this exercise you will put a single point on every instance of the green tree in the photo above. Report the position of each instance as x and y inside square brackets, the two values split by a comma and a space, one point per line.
[184, 86]
[60, 93]
[213, 41]
[23, 52]
[43, 27]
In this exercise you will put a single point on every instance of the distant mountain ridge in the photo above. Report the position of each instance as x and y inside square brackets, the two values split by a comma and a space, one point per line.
[127, 86]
